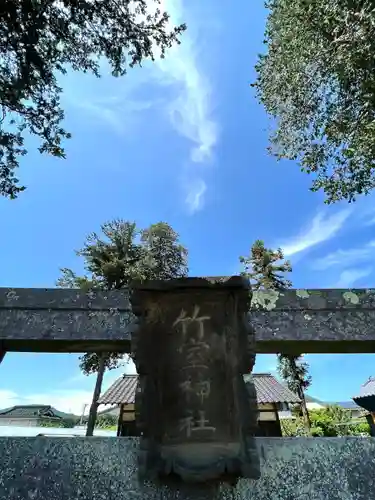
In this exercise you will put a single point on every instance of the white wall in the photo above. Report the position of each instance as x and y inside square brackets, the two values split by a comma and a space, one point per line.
[27, 422]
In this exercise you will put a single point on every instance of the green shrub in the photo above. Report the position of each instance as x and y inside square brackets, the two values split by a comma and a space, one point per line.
[106, 421]
[317, 432]
[293, 427]
[328, 422]
[359, 429]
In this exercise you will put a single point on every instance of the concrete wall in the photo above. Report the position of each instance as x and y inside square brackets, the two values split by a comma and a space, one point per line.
[105, 469]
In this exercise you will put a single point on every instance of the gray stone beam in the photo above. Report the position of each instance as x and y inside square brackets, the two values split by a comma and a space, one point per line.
[314, 321]
[60, 320]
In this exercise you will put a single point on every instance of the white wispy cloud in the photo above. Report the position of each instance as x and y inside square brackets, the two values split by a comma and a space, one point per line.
[112, 111]
[322, 228]
[189, 110]
[350, 277]
[71, 397]
[370, 222]
[353, 264]
[69, 401]
[345, 258]
[195, 191]
[367, 212]
[187, 102]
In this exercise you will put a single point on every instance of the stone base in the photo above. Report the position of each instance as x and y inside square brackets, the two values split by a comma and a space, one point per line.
[96, 468]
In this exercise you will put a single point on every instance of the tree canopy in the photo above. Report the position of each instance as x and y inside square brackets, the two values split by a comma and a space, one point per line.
[317, 80]
[119, 254]
[297, 376]
[42, 39]
[266, 269]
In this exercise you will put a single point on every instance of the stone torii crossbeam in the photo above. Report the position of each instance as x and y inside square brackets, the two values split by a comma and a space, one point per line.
[67, 320]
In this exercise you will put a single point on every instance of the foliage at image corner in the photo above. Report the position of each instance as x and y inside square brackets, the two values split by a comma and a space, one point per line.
[316, 80]
[41, 40]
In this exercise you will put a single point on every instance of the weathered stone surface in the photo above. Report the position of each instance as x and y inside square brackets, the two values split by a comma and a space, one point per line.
[314, 321]
[191, 352]
[331, 320]
[62, 298]
[314, 331]
[314, 299]
[54, 320]
[293, 320]
[106, 469]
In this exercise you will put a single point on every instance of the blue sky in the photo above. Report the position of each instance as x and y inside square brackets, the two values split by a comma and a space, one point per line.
[182, 141]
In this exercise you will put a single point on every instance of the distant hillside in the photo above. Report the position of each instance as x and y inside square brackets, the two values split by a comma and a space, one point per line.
[64, 415]
[310, 399]
[347, 405]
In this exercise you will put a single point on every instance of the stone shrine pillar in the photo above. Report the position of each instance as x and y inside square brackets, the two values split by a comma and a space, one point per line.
[193, 346]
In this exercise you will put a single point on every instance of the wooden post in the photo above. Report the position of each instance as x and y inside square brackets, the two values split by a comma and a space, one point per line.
[278, 421]
[96, 395]
[120, 421]
[370, 417]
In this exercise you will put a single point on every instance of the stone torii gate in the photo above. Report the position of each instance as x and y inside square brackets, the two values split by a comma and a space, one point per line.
[193, 340]
[69, 320]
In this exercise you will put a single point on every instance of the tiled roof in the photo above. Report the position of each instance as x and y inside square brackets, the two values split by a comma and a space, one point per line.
[268, 389]
[367, 389]
[121, 392]
[29, 411]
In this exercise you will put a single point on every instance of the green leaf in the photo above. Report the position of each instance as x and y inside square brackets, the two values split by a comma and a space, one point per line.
[58, 36]
[317, 81]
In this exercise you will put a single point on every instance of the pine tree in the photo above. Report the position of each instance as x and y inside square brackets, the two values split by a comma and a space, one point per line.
[113, 259]
[165, 257]
[295, 372]
[266, 269]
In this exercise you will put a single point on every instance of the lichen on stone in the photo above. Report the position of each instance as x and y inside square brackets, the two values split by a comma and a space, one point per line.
[265, 299]
[217, 279]
[12, 295]
[302, 294]
[351, 297]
